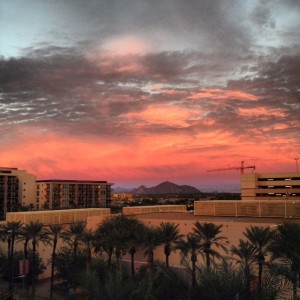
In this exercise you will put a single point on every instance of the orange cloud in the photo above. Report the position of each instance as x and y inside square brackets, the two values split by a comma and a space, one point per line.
[223, 94]
[261, 111]
[179, 157]
[166, 114]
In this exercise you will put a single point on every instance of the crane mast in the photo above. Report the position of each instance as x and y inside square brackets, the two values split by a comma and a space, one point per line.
[241, 168]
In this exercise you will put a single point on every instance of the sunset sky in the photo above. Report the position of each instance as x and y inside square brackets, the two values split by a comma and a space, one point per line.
[143, 91]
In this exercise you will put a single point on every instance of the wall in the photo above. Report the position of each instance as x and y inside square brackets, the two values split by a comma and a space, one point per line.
[64, 216]
[132, 210]
[245, 208]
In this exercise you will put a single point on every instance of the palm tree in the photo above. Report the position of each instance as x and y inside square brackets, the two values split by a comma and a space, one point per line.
[73, 236]
[190, 246]
[260, 239]
[36, 234]
[24, 237]
[55, 232]
[219, 283]
[135, 229]
[115, 235]
[102, 240]
[286, 249]
[151, 241]
[208, 234]
[245, 258]
[88, 237]
[12, 231]
[169, 235]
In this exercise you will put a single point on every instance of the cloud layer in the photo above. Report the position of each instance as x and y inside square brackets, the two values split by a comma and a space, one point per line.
[137, 104]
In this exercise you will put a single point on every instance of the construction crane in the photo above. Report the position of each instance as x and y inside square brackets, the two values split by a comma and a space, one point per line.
[241, 168]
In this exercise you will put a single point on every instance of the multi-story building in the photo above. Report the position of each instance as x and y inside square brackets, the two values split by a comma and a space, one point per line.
[270, 186]
[17, 188]
[54, 194]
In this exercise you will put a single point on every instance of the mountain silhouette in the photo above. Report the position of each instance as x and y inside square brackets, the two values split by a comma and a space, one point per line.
[166, 187]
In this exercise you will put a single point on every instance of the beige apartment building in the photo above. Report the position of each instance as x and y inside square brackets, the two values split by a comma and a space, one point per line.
[17, 188]
[58, 194]
[270, 186]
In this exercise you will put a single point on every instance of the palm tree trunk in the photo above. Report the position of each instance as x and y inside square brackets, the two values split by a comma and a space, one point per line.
[110, 253]
[75, 250]
[89, 259]
[259, 283]
[132, 252]
[207, 261]
[53, 267]
[10, 260]
[26, 261]
[193, 259]
[52, 274]
[167, 260]
[167, 253]
[118, 255]
[33, 266]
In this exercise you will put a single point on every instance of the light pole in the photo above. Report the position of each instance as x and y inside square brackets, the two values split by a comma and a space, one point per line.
[296, 159]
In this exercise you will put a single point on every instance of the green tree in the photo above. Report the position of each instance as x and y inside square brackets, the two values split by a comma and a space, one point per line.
[208, 234]
[102, 241]
[190, 246]
[285, 249]
[115, 235]
[73, 236]
[219, 283]
[54, 232]
[69, 269]
[36, 234]
[169, 235]
[88, 238]
[260, 238]
[12, 231]
[151, 241]
[25, 238]
[244, 255]
[169, 284]
[135, 230]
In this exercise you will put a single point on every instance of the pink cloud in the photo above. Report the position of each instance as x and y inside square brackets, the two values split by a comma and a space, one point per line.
[127, 44]
[167, 114]
[261, 111]
[223, 94]
[163, 157]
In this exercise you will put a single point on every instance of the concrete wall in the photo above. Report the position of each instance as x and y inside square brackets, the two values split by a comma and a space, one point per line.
[133, 210]
[246, 208]
[57, 216]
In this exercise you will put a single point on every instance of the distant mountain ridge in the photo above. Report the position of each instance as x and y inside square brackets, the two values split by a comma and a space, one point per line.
[166, 187]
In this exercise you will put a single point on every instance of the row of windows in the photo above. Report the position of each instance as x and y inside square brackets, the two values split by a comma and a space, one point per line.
[279, 179]
[279, 187]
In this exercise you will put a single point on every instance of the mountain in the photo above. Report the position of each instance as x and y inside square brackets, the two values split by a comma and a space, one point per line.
[166, 188]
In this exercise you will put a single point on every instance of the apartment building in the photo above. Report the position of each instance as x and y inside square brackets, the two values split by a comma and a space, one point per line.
[58, 194]
[270, 186]
[17, 188]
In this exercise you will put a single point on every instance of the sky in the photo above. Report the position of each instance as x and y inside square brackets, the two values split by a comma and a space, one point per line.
[144, 91]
